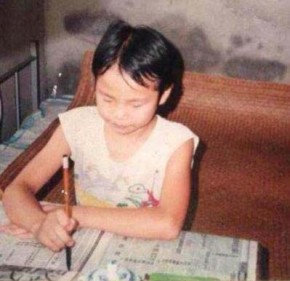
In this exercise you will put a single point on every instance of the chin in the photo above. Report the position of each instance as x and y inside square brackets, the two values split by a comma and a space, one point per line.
[123, 129]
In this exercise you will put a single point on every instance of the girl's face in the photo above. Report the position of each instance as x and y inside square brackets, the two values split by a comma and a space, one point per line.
[126, 106]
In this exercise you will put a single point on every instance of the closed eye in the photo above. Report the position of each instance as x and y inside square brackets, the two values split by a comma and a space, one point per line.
[136, 105]
[107, 99]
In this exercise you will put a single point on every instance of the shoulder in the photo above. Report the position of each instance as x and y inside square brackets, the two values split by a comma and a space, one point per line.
[79, 126]
[169, 125]
[176, 132]
[80, 121]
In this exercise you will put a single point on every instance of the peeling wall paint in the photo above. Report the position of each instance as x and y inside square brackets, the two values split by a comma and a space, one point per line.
[85, 22]
[255, 69]
[243, 39]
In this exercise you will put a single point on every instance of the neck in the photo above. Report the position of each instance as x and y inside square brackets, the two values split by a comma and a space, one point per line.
[123, 146]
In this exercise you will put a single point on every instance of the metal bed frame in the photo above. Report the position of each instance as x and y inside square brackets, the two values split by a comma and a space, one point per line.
[33, 62]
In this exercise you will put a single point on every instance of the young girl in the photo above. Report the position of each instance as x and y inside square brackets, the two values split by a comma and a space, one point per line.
[132, 167]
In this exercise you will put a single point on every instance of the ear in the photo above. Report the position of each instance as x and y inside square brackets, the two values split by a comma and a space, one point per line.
[165, 96]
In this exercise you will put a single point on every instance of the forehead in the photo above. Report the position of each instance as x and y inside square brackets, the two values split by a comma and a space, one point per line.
[114, 80]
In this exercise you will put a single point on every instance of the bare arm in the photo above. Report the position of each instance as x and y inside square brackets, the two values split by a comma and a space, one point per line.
[162, 222]
[19, 199]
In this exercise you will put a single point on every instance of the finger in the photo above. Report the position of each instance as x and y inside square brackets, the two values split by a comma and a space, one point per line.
[71, 226]
[4, 227]
[17, 231]
[14, 227]
[49, 207]
[27, 235]
[47, 240]
[52, 241]
[64, 237]
[7, 226]
[46, 203]
[52, 244]
[62, 218]
[13, 230]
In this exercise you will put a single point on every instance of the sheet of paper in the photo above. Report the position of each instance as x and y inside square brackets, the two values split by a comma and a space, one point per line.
[192, 254]
[30, 253]
[26, 259]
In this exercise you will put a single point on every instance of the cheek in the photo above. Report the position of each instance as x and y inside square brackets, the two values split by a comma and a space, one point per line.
[147, 113]
[103, 111]
[98, 100]
[101, 105]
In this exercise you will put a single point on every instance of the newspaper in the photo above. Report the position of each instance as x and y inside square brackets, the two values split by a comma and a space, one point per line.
[20, 257]
[191, 254]
[26, 259]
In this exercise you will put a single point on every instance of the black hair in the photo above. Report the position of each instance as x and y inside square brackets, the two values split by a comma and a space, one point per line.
[141, 52]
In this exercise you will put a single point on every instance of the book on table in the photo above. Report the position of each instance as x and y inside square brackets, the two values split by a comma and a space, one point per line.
[190, 255]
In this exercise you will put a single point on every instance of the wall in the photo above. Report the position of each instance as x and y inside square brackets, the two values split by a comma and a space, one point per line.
[21, 22]
[242, 38]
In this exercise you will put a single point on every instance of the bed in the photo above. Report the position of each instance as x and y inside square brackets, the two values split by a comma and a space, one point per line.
[23, 117]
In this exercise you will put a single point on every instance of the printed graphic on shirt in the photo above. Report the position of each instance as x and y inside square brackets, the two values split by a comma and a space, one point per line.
[94, 189]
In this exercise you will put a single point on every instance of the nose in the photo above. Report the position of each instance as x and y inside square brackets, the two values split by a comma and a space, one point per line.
[120, 111]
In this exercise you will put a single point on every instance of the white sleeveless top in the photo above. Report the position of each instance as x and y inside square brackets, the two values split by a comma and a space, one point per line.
[135, 182]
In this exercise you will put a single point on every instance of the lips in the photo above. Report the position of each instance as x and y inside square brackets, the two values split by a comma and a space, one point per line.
[120, 126]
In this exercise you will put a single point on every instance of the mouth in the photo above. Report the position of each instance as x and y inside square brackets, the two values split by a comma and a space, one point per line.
[120, 126]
